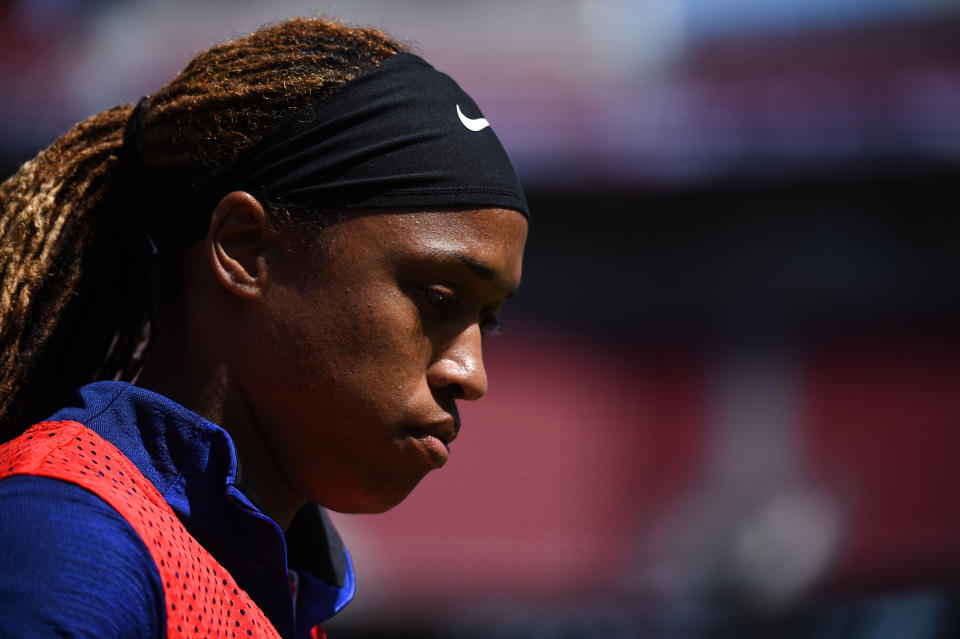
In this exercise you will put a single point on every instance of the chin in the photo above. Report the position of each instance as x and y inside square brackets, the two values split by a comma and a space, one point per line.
[368, 502]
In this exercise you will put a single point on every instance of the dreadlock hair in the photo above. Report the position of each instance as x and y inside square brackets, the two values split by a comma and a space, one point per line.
[77, 283]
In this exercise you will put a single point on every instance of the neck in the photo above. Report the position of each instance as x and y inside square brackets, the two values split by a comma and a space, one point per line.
[210, 391]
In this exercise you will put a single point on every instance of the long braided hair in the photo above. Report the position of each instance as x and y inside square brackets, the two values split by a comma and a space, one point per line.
[77, 283]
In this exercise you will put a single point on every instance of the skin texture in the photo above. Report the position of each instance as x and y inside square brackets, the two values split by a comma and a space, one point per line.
[336, 366]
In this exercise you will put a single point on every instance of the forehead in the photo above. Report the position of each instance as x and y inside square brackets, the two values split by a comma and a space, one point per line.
[494, 238]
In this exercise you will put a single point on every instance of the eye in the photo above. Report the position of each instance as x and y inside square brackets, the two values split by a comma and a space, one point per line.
[443, 302]
[489, 324]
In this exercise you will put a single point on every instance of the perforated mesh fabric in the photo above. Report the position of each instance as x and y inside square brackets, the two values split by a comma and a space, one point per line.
[201, 598]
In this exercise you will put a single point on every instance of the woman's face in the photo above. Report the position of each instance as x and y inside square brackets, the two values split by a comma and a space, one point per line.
[363, 346]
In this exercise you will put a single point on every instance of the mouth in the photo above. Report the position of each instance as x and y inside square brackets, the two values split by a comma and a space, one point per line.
[433, 441]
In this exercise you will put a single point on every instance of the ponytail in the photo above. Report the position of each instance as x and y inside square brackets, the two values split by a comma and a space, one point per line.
[64, 274]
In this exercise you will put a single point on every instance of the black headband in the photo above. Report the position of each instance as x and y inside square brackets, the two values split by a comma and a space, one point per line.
[401, 135]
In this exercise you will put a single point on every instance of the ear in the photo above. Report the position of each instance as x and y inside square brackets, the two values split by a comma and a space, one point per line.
[236, 241]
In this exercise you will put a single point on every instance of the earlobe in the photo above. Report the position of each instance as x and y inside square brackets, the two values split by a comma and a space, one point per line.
[236, 240]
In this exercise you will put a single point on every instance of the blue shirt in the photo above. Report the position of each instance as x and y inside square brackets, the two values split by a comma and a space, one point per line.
[72, 566]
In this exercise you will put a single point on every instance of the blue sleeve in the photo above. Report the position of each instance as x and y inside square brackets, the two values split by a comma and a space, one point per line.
[71, 566]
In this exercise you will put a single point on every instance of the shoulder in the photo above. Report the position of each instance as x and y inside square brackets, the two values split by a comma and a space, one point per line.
[70, 565]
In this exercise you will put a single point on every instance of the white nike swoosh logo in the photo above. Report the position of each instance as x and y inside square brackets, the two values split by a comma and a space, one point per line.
[477, 124]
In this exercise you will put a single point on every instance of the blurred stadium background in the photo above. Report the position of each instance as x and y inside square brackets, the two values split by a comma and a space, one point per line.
[727, 399]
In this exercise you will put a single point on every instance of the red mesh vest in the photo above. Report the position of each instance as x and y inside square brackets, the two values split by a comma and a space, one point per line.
[202, 599]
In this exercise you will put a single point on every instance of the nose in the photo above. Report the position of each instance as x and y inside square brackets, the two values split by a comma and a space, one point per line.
[459, 366]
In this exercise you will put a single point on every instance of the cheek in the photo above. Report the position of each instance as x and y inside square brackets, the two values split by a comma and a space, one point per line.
[389, 362]
[352, 375]
[349, 349]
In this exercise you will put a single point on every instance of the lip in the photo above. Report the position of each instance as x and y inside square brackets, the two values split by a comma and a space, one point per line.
[432, 441]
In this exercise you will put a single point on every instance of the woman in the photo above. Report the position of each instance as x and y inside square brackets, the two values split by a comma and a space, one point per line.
[293, 250]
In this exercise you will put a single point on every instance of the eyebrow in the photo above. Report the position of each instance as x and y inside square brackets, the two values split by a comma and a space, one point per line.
[481, 269]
